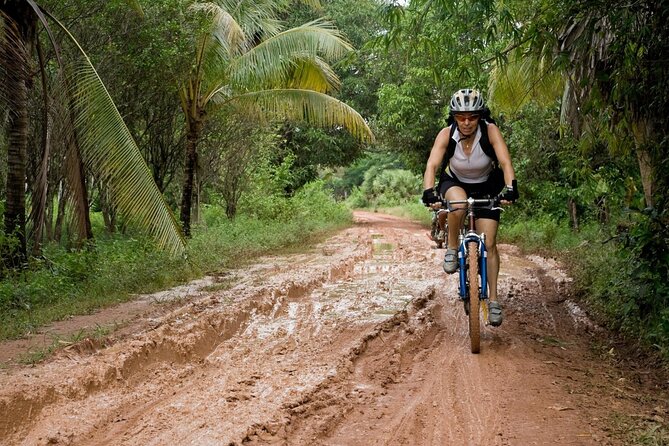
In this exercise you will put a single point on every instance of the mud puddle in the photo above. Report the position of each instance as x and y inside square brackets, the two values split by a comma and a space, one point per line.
[359, 342]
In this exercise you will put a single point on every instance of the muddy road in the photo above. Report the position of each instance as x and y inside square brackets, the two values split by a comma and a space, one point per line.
[358, 341]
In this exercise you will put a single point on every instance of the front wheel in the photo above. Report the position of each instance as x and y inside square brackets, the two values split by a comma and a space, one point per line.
[474, 303]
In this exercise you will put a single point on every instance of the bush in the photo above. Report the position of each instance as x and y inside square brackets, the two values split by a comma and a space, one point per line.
[386, 188]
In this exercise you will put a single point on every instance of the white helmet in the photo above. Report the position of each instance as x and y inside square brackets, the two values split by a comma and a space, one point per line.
[467, 100]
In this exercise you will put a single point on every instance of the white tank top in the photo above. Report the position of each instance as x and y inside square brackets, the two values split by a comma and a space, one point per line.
[474, 168]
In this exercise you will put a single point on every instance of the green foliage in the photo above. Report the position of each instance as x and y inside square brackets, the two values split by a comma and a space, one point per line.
[620, 269]
[269, 224]
[354, 174]
[554, 170]
[412, 210]
[412, 113]
[312, 149]
[543, 233]
[63, 283]
[386, 187]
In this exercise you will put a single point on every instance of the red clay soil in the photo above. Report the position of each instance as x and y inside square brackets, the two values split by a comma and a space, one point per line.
[359, 341]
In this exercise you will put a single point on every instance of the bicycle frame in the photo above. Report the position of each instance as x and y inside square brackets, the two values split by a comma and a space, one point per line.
[472, 236]
[473, 262]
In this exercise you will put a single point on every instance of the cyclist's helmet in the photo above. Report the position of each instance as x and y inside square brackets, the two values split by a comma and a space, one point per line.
[467, 100]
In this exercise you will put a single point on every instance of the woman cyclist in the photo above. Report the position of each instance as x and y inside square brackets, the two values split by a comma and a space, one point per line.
[471, 168]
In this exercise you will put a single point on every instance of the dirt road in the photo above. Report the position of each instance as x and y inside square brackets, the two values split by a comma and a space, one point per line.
[360, 341]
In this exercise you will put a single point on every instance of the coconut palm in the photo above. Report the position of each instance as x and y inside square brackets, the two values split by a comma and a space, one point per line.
[245, 63]
[100, 138]
[18, 32]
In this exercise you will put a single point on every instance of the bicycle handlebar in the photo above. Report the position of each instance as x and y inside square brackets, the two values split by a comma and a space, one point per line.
[478, 203]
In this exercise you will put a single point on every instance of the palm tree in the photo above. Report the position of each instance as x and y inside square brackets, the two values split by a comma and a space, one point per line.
[101, 139]
[246, 64]
[19, 24]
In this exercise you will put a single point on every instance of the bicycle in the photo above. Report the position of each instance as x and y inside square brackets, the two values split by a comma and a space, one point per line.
[473, 266]
[438, 234]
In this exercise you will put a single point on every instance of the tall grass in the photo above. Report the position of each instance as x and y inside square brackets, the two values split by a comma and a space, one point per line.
[65, 283]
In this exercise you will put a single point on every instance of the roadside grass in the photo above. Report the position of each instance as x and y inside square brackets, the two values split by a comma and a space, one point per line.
[63, 283]
[98, 333]
[640, 430]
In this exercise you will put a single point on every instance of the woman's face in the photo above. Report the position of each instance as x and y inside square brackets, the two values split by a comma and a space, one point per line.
[467, 122]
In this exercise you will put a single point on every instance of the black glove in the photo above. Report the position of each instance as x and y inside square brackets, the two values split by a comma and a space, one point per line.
[429, 197]
[510, 193]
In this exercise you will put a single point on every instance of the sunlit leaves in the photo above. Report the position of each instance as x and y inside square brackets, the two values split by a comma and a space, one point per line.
[264, 58]
[314, 107]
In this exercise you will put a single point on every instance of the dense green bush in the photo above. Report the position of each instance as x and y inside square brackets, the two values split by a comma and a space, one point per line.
[386, 187]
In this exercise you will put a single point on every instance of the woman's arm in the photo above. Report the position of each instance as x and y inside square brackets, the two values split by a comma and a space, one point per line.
[436, 157]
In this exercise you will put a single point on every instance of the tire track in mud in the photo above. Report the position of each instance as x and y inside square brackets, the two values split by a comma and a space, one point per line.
[359, 342]
[134, 389]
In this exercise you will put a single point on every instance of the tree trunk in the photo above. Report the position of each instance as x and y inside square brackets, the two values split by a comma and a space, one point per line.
[646, 170]
[79, 193]
[643, 130]
[15, 220]
[231, 209]
[60, 215]
[573, 214]
[40, 194]
[108, 209]
[48, 221]
[19, 35]
[76, 175]
[192, 139]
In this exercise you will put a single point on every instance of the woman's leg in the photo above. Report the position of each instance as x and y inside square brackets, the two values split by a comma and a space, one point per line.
[455, 219]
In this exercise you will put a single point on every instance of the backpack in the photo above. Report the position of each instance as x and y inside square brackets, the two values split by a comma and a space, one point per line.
[487, 147]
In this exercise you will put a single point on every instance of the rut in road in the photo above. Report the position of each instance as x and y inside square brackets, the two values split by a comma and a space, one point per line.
[252, 350]
[360, 341]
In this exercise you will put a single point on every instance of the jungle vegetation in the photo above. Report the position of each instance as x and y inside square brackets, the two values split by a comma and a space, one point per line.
[136, 132]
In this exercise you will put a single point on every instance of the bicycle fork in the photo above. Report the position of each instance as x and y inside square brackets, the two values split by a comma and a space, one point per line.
[464, 240]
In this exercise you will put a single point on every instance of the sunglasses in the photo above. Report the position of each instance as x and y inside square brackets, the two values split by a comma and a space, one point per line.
[463, 118]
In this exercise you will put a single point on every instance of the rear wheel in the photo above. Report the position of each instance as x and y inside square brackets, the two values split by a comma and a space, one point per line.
[434, 233]
[474, 304]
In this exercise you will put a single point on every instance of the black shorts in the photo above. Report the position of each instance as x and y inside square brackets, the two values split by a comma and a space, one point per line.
[488, 189]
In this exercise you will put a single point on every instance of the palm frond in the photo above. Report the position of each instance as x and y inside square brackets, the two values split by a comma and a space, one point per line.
[523, 79]
[303, 105]
[110, 151]
[314, 74]
[257, 18]
[273, 61]
[228, 38]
